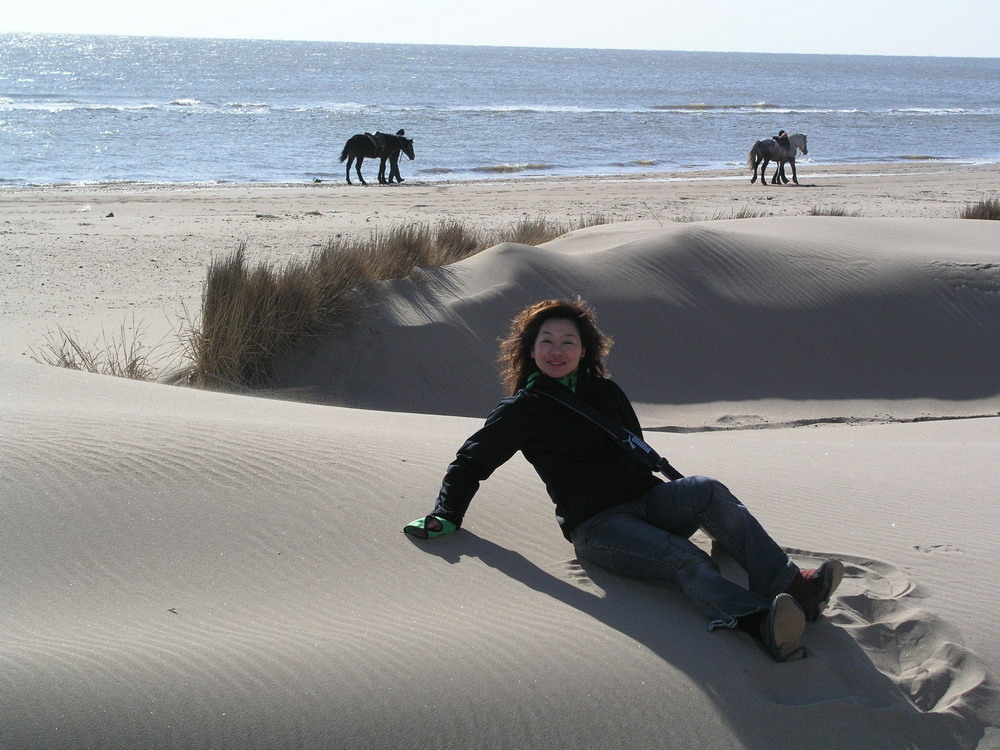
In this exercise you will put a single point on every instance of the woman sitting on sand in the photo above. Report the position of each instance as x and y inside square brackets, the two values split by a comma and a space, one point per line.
[614, 510]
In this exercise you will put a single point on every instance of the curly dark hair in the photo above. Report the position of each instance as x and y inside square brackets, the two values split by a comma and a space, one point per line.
[515, 359]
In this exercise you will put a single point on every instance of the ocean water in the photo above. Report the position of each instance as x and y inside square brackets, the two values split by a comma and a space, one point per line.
[93, 109]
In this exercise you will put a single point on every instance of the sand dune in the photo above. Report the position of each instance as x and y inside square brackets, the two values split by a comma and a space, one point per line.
[191, 569]
[790, 318]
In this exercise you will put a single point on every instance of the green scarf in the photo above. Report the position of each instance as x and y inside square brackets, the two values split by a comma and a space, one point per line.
[569, 381]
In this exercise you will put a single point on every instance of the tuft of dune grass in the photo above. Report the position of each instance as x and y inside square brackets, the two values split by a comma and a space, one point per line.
[832, 211]
[123, 356]
[984, 209]
[743, 212]
[252, 315]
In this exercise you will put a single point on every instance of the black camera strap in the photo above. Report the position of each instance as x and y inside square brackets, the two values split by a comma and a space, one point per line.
[625, 438]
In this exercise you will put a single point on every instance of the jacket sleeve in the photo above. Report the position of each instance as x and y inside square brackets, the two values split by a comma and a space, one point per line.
[482, 454]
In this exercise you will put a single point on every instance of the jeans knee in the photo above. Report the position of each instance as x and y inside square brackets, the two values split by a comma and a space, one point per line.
[703, 489]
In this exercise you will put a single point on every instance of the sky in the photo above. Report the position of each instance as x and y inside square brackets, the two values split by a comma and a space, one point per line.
[961, 28]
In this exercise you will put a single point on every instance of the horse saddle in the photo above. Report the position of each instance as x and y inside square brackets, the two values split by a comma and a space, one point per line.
[377, 139]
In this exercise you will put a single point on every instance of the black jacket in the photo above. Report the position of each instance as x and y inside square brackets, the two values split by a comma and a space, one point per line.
[584, 470]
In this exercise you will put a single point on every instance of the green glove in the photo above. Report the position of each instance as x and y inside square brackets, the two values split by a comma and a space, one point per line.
[429, 527]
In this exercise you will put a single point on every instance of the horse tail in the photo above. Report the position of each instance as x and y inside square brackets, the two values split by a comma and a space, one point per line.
[752, 158]
[352, 147]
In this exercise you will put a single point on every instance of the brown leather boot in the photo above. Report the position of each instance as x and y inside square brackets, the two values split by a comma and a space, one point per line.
[812, 589]
[778, 629]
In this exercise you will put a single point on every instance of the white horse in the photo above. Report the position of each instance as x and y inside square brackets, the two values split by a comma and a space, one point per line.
[768, 150]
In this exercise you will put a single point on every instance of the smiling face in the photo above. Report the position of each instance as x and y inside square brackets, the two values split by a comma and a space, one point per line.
[557, 350]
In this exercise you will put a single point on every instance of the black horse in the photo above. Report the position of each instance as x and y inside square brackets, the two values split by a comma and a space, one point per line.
[377, 145]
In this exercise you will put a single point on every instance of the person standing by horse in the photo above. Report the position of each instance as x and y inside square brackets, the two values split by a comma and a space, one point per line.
[610, 505]
[782, 139]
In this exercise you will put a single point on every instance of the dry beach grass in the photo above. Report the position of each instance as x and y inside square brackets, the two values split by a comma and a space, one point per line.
[250, 317]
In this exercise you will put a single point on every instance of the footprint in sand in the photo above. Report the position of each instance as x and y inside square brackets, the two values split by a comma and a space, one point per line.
[876, 655]
[938, 549]
[917, 650]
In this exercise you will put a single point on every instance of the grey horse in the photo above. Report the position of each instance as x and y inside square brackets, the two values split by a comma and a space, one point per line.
[767, 150]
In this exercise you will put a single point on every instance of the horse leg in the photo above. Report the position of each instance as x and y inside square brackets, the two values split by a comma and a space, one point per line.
[357, 168]
[763, 171]
[776, 180]
[381, 172]
[350, 160]
[795, 177]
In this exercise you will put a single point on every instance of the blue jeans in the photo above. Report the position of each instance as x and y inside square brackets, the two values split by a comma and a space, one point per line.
[649, 538]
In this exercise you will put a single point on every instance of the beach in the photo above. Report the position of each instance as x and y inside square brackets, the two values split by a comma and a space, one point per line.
[187, 568]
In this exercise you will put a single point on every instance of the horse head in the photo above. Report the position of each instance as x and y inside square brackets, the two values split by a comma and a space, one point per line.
[798, 140]
[406, 144]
